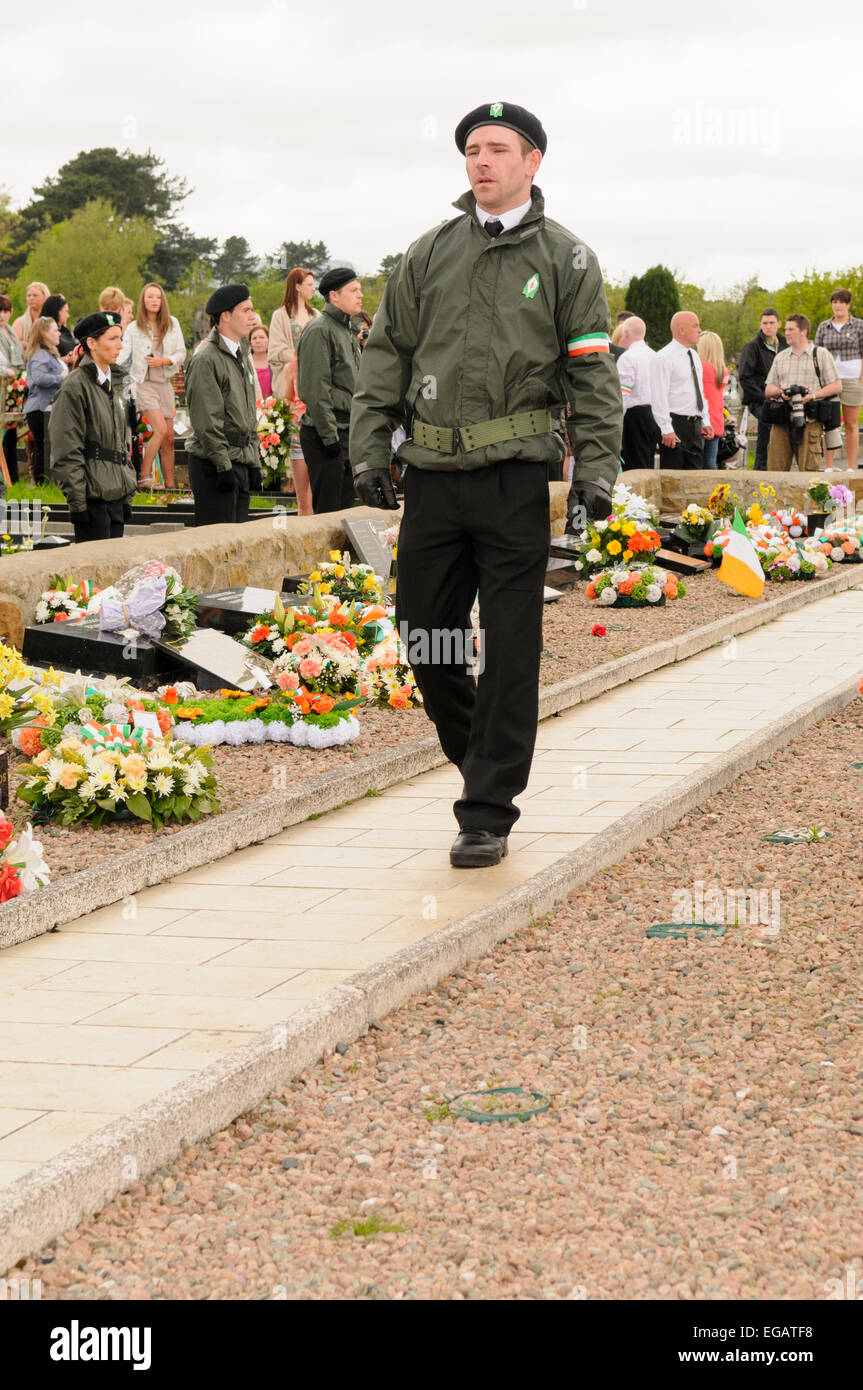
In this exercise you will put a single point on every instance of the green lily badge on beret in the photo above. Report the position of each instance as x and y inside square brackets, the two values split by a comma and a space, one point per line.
[496, 108]
[532, 286]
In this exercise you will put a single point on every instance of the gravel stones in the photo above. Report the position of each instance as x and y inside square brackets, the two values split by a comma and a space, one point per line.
[698, 1147]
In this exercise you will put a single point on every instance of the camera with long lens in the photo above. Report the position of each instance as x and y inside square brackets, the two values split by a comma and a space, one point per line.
[796, 409]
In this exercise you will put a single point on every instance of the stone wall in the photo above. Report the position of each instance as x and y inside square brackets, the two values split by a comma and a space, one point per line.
[258, 553]
[674, 488]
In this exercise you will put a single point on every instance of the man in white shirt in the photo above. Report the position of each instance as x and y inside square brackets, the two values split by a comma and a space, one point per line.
[677, 396]
[640, 430]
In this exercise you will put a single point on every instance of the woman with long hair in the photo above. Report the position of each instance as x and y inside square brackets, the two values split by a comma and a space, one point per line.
[286, 328]
[57, 308]
[715, 376]
[287, 324]
[155, 341]
[45, 372]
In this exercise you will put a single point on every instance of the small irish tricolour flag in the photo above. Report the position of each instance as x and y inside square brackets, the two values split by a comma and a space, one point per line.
[741, 567]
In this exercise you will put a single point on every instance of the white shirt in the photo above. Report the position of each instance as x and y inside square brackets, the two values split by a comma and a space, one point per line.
[103, 376]
[634, 369]
[672, 389]
[233, 348]
[509, 219]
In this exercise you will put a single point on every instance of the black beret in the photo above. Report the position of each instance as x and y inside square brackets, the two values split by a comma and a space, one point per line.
[506, 114]
[335, 279]
[94, 325]
[226, 298]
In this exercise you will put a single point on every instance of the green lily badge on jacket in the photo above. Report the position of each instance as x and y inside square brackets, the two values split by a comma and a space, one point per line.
[531, 287]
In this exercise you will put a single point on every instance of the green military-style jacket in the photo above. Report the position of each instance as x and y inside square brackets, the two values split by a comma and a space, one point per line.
[474, 328]
[221, 400]
[328, 358]
[87, 434]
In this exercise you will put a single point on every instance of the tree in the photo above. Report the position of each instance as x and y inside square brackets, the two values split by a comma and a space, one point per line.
[91, 249]
[811, 294]
[9, 220]
[234, 262]
[315, 257]
[191, 293]
[134, 185]
[653, 297]
[175, 252]
[388, 265]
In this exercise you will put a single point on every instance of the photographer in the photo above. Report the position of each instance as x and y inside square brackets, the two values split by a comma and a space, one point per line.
[798, 390]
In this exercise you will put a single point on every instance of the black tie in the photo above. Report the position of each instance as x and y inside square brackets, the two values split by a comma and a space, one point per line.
[699, 399]
[494, 226]
[106, 386]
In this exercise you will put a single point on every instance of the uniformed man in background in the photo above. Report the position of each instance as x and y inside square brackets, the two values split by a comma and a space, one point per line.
[328, 358]
[225, 454]
[490, 326]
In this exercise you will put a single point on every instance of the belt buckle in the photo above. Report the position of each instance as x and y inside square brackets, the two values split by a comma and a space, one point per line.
[456, 439]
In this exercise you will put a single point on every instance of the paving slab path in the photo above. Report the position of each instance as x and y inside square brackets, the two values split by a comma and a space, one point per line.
[112, 1010]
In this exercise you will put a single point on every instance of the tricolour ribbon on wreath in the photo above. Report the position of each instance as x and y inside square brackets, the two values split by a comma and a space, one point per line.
[119, 738]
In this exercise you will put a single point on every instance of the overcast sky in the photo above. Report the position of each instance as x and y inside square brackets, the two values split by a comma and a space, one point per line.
[721, 139]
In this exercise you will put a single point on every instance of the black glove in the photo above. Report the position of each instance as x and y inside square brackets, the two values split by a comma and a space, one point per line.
[587, 501]
[375, 488]
[225, 480]
[255, 480]
[333, 450]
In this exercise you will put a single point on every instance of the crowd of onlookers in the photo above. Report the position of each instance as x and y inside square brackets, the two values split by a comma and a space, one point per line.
[798, 391]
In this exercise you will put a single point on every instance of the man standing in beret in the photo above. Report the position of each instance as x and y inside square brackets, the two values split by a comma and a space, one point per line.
[328, 358]
[492, 325]
[224, 454]
[90, 459]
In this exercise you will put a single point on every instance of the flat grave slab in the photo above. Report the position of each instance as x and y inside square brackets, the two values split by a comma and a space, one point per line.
[218, 660]
[231, 610]
[73, 646]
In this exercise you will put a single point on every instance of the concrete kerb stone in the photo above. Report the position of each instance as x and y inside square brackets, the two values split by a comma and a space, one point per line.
[61, 1192]
[190, 848]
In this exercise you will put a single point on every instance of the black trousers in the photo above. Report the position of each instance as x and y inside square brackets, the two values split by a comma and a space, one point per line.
[331, 479]
[689, 453]
[213, 507]
[640, 437]
[487, 530]
[104, 521]
[10, 453]
[38, 422]
[763, 438]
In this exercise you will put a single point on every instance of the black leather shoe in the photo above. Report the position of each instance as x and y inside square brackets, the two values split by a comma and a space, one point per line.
[477, 849]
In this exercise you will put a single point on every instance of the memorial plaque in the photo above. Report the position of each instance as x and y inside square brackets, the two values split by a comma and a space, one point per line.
[366, 538]
[231, 610]
[681, 564]
[551, 595]
[219, 660]
[72, 646]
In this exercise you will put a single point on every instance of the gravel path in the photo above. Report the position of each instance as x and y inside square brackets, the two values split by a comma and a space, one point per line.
[705, 1132]
[247, 773]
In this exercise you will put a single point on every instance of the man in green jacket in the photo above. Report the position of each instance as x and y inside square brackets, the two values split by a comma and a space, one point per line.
[493, 326]
[328, 358]
[90, 459]
[225, 453]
